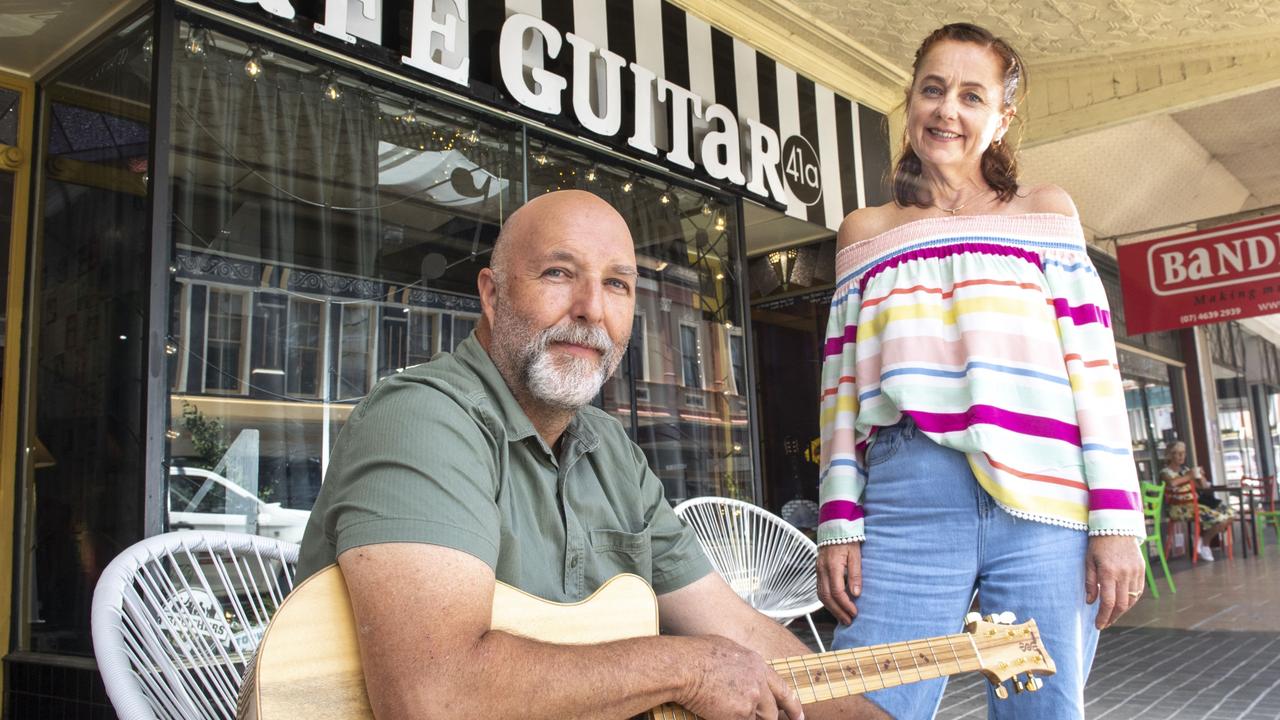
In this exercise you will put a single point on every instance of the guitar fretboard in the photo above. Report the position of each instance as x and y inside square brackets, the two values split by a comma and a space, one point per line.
[841, 673]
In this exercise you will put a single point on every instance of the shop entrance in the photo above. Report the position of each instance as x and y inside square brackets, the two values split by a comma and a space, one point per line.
[790, 278]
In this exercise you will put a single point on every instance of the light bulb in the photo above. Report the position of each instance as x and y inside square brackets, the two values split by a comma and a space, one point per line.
[411, 116]
[626, 186]
[197, 42]
[253, 66]
[331, 90]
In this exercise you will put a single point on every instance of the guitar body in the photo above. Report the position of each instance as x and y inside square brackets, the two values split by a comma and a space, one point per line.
[308, 663]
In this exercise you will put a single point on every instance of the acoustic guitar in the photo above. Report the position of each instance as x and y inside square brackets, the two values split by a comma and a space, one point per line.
[308, 663]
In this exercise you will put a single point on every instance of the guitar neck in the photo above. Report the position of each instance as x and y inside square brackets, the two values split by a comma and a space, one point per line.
[840, 673]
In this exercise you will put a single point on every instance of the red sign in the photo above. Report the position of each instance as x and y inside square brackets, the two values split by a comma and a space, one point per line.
[1223, 273]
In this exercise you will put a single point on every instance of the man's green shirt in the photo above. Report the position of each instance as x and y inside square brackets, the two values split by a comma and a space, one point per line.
[443, 454]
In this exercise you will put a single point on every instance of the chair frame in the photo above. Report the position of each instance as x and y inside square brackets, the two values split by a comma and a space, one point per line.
[1153, 508]
[797, 593]
[1270, 517]
[165, 613]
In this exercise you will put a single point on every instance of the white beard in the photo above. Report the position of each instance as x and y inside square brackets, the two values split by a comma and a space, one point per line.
[567, 383]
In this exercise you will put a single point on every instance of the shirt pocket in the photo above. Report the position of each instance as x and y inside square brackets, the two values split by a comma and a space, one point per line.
[618, 552]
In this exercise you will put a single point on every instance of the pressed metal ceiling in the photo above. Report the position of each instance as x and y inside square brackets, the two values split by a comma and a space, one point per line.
[1043, 28]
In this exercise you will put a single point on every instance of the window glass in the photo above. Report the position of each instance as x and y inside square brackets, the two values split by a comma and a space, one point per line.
[738, 355]
[88, 333]
[9, 100]
[326, 233]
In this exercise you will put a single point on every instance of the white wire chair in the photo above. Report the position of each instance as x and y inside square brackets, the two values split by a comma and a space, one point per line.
[766, 561]
[178, 616]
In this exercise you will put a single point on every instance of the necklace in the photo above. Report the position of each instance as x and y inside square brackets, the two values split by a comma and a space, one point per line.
[958, 208]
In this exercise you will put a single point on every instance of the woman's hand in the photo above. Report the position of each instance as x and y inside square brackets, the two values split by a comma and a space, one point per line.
[840, 579]
[1114, 575]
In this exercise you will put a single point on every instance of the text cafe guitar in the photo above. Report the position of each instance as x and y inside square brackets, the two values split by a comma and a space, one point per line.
[308, 664]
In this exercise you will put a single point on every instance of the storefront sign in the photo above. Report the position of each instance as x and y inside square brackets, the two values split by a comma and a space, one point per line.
[1207, 276]
[674, 90]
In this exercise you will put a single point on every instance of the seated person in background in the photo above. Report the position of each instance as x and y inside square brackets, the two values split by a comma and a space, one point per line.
[490, 464]
[1185, 488]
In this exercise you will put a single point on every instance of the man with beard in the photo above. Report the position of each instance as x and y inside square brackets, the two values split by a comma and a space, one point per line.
[490, 464]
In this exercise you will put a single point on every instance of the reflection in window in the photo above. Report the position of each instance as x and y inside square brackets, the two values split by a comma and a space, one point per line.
[422, 337]
[89, 338]
[305, 336]
[738, 357]
[224, 340]
[691, 364]
[355, 333]
[9, 100]
[319, 243]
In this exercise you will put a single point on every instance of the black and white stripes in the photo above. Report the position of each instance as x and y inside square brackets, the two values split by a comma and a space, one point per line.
[851, 140]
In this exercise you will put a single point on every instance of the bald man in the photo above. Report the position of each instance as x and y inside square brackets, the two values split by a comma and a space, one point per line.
[490, 464]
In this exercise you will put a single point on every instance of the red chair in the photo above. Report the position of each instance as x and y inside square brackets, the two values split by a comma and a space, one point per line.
[1193, 528]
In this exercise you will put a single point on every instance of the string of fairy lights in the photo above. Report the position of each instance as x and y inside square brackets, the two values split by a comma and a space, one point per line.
[705, 223]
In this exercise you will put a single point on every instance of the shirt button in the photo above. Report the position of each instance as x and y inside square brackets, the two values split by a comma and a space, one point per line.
[573, 562]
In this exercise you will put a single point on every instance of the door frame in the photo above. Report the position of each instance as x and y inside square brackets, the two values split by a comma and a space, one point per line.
[15, 160]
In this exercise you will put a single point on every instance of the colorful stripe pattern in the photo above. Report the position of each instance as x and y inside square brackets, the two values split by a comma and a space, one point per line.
[992, 332]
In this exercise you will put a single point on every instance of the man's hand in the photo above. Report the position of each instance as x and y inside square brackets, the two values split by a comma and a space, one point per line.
[1113, 576]
[734, 683]
[840, 579]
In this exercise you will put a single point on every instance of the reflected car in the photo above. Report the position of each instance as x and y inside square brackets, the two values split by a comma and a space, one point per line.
[201, 499]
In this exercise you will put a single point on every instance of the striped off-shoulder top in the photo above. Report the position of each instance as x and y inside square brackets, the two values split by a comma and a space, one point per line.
[992, 332]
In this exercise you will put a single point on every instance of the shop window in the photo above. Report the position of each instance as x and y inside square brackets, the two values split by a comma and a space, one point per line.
[350, 225]
[89, 339]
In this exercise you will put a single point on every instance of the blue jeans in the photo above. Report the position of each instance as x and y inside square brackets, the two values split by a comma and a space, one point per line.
[933, 537]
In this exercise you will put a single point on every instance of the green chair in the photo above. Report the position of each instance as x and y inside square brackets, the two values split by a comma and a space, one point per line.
[1270, 516]
[1152, 507]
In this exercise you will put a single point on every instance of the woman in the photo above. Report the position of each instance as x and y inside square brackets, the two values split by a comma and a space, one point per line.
[974, 433]
[1186, 488]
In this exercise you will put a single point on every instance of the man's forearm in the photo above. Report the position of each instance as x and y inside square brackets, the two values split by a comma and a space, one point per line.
[506, 676]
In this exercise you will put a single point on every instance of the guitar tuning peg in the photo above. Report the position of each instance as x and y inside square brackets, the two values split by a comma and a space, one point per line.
[1002, 692]
[1034, 683]
[971, 617]
[1006, 618]
[1018, 687]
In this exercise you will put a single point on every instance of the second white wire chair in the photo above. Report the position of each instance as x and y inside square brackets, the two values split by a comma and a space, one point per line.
[766, 561]
[178, 616]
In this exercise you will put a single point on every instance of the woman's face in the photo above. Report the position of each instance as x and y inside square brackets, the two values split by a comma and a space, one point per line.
[956, 105]
[1177, 456]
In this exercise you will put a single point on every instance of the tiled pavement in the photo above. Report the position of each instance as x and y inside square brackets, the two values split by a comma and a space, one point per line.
[1211, 651]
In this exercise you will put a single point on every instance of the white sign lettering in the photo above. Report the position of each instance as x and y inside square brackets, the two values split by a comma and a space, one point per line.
[279, 8]
[445, 37]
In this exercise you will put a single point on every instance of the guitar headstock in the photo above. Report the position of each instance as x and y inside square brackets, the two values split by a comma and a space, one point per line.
[1006, 651]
